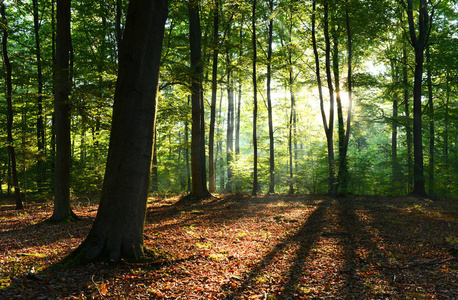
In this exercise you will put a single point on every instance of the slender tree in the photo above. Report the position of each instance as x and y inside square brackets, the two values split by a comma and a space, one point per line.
[419, 43]
[328, 128]
[405, 84]
[230, 114]
[255, 103]
[344, 133]
[211, 137]
[431, 123]
[269, 102]
[199, 179]
[9, 101]
[41, 168]
[118, 228]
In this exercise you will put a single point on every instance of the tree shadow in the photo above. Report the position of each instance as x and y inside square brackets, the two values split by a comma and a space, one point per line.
[305, 236]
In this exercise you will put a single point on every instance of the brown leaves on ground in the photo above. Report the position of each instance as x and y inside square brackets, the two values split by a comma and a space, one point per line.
[239, 247]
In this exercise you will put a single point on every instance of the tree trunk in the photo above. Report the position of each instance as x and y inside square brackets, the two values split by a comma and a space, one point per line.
[255, 105]
[188, 166]
[269, 105]
[419, 44]
[9, 95]
[342, 174]
[62, 85]
[41, 168]
[211, 138]
[239, 101]
[118, 228]
[154, 171]
[343, 162]
[329, 129]
[230, 117]
[408, 125]
[431, 124]
[394, 131]
[199, 185]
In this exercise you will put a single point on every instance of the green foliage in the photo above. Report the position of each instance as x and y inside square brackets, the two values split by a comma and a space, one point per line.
[378, 42]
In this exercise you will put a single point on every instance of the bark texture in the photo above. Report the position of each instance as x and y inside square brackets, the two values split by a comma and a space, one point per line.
[62, 84]
[118, 228]
[9, 96]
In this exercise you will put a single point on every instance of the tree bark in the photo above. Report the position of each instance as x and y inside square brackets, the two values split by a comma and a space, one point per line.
[431, 124]
[118, 228]
[199, 182]
[188, 166]
[328, 129]
[255, 104]
[230, 116]
[62, 84]
[394, 130]
[211, 138]
[408, 125]
[419, 44]
[41, 169]
[9, 96]
[269, 105]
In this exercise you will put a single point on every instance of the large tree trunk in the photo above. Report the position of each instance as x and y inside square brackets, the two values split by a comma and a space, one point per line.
[62, 85]
[269, 105]
[9, 95]
[211, 138]
[118, 228]
[199, 178]
[255, 104]
[419, 44]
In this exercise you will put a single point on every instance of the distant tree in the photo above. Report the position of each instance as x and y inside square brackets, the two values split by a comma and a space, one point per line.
[41, 168]
[118, 228]
[211, 138]
[255, 103]
[9, 97]
[269, 102]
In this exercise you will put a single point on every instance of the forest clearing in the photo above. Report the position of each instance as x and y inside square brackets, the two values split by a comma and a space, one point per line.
[245, 247]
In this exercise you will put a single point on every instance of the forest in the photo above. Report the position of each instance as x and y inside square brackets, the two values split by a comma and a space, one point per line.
[243, 148]
[331, 104]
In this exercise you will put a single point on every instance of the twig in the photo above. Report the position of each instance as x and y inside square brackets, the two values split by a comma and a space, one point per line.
[97, 287]
[426, 263]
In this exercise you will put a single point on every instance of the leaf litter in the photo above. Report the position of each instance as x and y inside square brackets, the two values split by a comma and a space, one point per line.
[243, 247]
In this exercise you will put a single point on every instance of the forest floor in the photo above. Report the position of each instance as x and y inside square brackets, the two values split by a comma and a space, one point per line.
[243, 247]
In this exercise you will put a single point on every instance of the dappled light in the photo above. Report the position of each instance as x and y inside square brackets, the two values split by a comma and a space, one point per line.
[238, 246]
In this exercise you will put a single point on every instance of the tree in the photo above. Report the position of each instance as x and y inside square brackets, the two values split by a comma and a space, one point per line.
[255, 103]
[419, 43]
[9, 96]
[62, 84]
[211, 143]
[41, 169]
[328, 128]
[199, 179]
[118, 228]
[269, 102]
